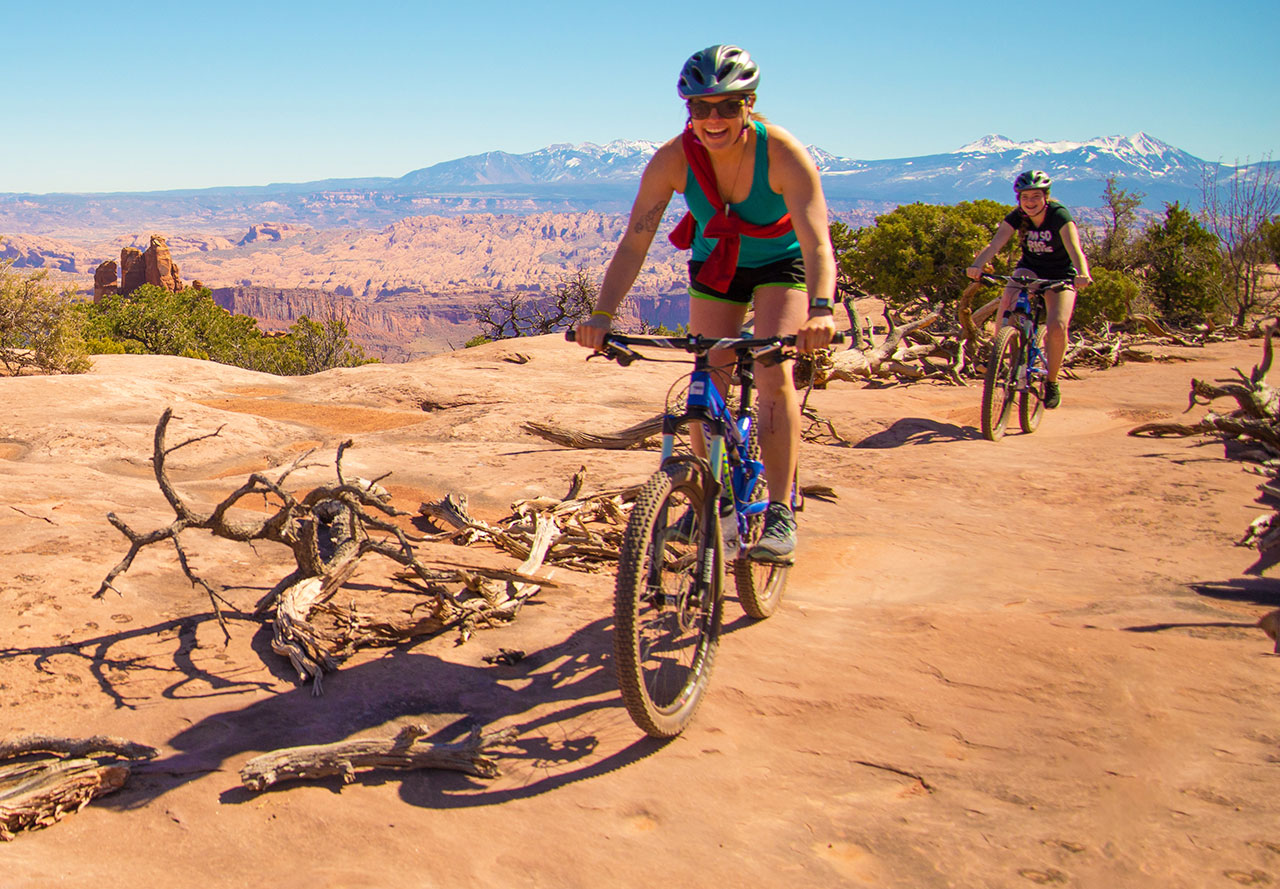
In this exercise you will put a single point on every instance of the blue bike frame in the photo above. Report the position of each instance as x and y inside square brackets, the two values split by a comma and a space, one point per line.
[727, 439]
[1036, 363]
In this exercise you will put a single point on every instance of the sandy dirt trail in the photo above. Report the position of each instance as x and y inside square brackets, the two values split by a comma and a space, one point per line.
[997, 665]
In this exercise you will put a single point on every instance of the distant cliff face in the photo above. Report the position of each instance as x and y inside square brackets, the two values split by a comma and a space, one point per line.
[406, 326]
[392, 331]
[407, 290]
[412, 288]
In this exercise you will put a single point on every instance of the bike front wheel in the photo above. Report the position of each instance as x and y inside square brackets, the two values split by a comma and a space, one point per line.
[668, 602]
[999, 384]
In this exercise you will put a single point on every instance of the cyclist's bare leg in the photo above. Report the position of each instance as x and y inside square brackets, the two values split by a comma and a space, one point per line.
[1058, 307]
[1008, 297]
[714, 318]
[780, 310]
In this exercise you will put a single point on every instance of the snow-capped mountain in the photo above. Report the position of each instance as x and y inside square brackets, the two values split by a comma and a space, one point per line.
[982, 169]
[618, 161]
[986, 169]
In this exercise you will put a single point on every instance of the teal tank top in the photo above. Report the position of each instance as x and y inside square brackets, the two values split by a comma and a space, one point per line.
[763, 206]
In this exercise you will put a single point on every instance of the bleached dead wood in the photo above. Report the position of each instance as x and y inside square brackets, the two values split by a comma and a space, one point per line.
[329, 530]
[891, 358]
[1256, 422]
[43, 779]
[631, 437]
[405, 751]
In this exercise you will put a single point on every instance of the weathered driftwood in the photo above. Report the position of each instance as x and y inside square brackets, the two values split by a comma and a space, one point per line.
[330, 529]
[98, 745]
[405, 751]
[956, 347]
[311, 651]
[891, 358]
[587, 531]
[53, 777]
[1257, 413]
[1256, 423]
[632, 437]
[326, 526]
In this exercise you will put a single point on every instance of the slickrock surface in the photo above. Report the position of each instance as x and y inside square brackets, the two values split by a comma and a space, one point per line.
[997, 665]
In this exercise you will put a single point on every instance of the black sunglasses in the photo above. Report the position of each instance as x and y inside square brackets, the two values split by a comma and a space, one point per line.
[727, 109]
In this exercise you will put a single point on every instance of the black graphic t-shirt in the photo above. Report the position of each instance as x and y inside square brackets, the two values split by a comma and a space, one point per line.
[1043, 250]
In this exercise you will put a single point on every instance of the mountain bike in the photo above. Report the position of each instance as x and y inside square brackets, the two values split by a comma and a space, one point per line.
[1017, 365]
[688, 518]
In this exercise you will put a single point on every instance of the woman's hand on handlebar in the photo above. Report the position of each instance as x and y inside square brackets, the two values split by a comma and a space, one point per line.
[816, 333]
[974, 272]
[590, 333]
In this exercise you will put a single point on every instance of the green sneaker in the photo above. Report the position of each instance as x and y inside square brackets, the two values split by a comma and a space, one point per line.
[1052, 395]
[778, 542]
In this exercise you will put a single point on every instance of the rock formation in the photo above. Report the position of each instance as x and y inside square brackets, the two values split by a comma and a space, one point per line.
[138, 267]
[104, 281]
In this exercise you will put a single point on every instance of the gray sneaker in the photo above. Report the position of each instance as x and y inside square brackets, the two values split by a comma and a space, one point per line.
[778, 542]
[682, 530]
[729, 526]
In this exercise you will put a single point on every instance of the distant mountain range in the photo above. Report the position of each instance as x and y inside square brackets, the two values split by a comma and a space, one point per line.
[569, 178]
[982, 169]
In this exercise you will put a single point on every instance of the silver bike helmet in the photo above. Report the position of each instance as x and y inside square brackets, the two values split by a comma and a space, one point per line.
[717, 70]
[1031, 179]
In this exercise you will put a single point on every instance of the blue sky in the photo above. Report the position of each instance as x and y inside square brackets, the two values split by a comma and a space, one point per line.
[148, 96]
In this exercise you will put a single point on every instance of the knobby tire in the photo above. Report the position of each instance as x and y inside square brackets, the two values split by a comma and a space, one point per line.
[665, 636]
[1031, 403]
[998, 385]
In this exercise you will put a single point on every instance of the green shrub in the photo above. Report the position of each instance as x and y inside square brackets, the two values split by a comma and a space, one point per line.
[39, 326]
[1184, 268]
[153, 321]
[1111, 297]
[920, 249]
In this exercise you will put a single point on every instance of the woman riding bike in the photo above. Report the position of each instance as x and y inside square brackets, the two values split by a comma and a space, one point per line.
[1050, 249]
[757, 225]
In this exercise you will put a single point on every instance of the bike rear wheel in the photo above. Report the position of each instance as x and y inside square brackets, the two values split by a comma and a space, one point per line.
[999, 384]
[667, 606]
[1031, 405]
[759, 584]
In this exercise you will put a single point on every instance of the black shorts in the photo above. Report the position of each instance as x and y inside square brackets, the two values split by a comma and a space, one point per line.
[787, 272]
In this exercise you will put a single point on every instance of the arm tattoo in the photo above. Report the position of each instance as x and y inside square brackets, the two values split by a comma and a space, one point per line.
[649, 221]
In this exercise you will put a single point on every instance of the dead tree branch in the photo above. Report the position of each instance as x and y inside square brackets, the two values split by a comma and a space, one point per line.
[405, 751]
[1255, 424]
[43, 779]
[329, 530]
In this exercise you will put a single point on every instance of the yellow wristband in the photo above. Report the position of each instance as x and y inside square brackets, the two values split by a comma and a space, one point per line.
[602, 312]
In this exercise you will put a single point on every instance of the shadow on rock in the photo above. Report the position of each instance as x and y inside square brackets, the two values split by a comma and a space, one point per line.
[565, 683]
[1263, 591]
[918, 431]
[108, 668]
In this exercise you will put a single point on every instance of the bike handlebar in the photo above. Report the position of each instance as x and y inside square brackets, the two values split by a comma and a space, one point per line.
[1033, 284]
[617, 345]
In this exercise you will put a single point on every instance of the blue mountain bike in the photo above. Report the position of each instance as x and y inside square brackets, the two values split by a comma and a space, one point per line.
[1016, 368]
[692, 516]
